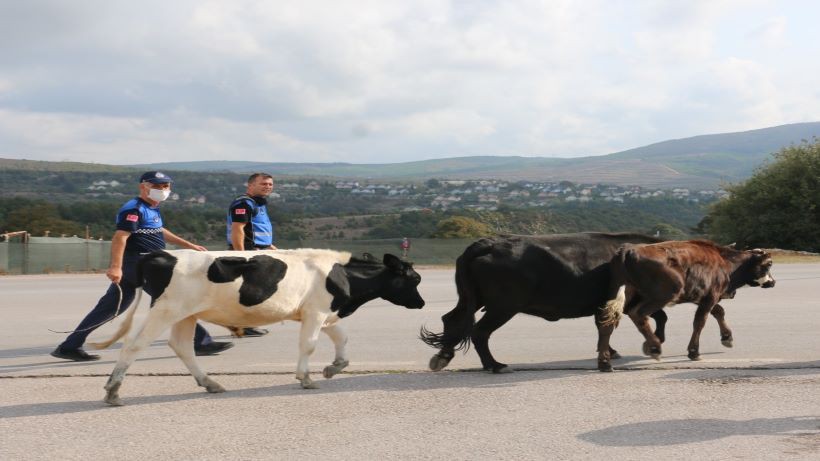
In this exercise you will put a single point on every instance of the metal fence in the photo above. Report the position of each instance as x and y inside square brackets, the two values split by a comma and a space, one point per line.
[42, 255]
[48, 254]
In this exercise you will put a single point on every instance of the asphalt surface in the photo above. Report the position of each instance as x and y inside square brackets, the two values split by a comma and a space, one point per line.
[757, 400]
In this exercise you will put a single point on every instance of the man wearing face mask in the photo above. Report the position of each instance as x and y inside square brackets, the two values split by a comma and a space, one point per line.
[249, 227]
[139, 230]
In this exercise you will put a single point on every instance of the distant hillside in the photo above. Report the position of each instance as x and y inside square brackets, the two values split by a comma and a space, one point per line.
[698, 162]
[38, 165]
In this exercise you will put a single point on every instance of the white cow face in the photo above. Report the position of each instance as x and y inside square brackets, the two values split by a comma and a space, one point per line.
[760, 269]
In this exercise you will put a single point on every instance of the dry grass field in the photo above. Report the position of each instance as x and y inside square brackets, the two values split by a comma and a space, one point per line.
[789, 256]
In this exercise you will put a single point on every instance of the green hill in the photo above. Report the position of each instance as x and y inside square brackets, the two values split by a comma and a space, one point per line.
[698, 162]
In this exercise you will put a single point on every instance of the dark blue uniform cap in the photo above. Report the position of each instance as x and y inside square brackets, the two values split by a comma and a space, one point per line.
[155, 177]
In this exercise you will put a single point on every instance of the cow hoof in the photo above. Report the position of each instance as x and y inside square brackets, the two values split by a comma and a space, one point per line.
[437, 362]
[112, 393]
[308, 383]
[337, 366]
[210, 385]
[695, 357]
[113, 400]
[605, 367]
[501, 369]
[215, 388]
[727, 341]
[652, 351]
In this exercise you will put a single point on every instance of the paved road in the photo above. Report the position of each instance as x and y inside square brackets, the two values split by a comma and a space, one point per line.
[758, 400]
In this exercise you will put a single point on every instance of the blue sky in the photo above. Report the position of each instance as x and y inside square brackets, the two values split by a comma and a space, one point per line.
[390, 81]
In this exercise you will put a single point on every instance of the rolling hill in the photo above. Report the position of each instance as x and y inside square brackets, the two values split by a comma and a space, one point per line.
[697, 162]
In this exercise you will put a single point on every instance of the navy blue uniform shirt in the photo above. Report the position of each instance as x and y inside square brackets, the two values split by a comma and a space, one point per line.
[145, 225]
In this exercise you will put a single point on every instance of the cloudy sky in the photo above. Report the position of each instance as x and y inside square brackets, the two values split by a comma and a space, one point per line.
[389, 81]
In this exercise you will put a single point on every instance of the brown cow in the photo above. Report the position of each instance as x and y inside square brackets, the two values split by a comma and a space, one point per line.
[646, 278]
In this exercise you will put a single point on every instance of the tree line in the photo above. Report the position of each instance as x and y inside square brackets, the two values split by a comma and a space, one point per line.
[206, 223]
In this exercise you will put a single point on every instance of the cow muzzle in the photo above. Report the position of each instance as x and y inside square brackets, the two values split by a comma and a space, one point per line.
[765, 282]
[416, 305]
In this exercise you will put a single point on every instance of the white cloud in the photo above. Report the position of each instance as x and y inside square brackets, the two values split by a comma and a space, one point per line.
[369, 81]
[5, 85]
[465, 127]
[772, 33]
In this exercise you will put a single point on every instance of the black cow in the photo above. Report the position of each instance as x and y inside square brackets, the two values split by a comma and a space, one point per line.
[553, 277]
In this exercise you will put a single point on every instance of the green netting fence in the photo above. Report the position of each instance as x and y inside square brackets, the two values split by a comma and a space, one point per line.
[72, 254]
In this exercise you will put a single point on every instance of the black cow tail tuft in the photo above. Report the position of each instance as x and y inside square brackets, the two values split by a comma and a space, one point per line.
[458, 323]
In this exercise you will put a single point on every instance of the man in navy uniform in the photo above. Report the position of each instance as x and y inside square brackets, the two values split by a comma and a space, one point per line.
[249, 227]
[139, 230]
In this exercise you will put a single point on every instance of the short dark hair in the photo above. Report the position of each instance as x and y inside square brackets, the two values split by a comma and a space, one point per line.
[253, 177]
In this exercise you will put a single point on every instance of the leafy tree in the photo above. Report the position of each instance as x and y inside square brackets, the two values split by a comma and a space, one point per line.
[668, 232]
[777, 207]
[410, 224]
[41, 217]
[461, 227]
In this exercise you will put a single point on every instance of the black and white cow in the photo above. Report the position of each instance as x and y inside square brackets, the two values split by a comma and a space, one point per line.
[315, 287]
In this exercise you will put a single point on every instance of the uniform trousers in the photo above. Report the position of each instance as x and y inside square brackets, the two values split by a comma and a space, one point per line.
[107, 306]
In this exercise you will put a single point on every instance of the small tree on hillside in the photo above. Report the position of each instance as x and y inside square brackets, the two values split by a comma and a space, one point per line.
[667, 231]
[461, 227]
[778, 207]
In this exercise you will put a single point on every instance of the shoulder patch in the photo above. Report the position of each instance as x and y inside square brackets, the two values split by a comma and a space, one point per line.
[260, 274]
[132, 217]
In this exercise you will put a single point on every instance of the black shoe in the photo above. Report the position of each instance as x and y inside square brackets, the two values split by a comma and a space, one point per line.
[212, 348]
[77, 355]
[255, 331]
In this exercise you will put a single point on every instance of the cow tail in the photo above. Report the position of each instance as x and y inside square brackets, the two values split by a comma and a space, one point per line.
[616, 296]
[124, 328]
[458, 323]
